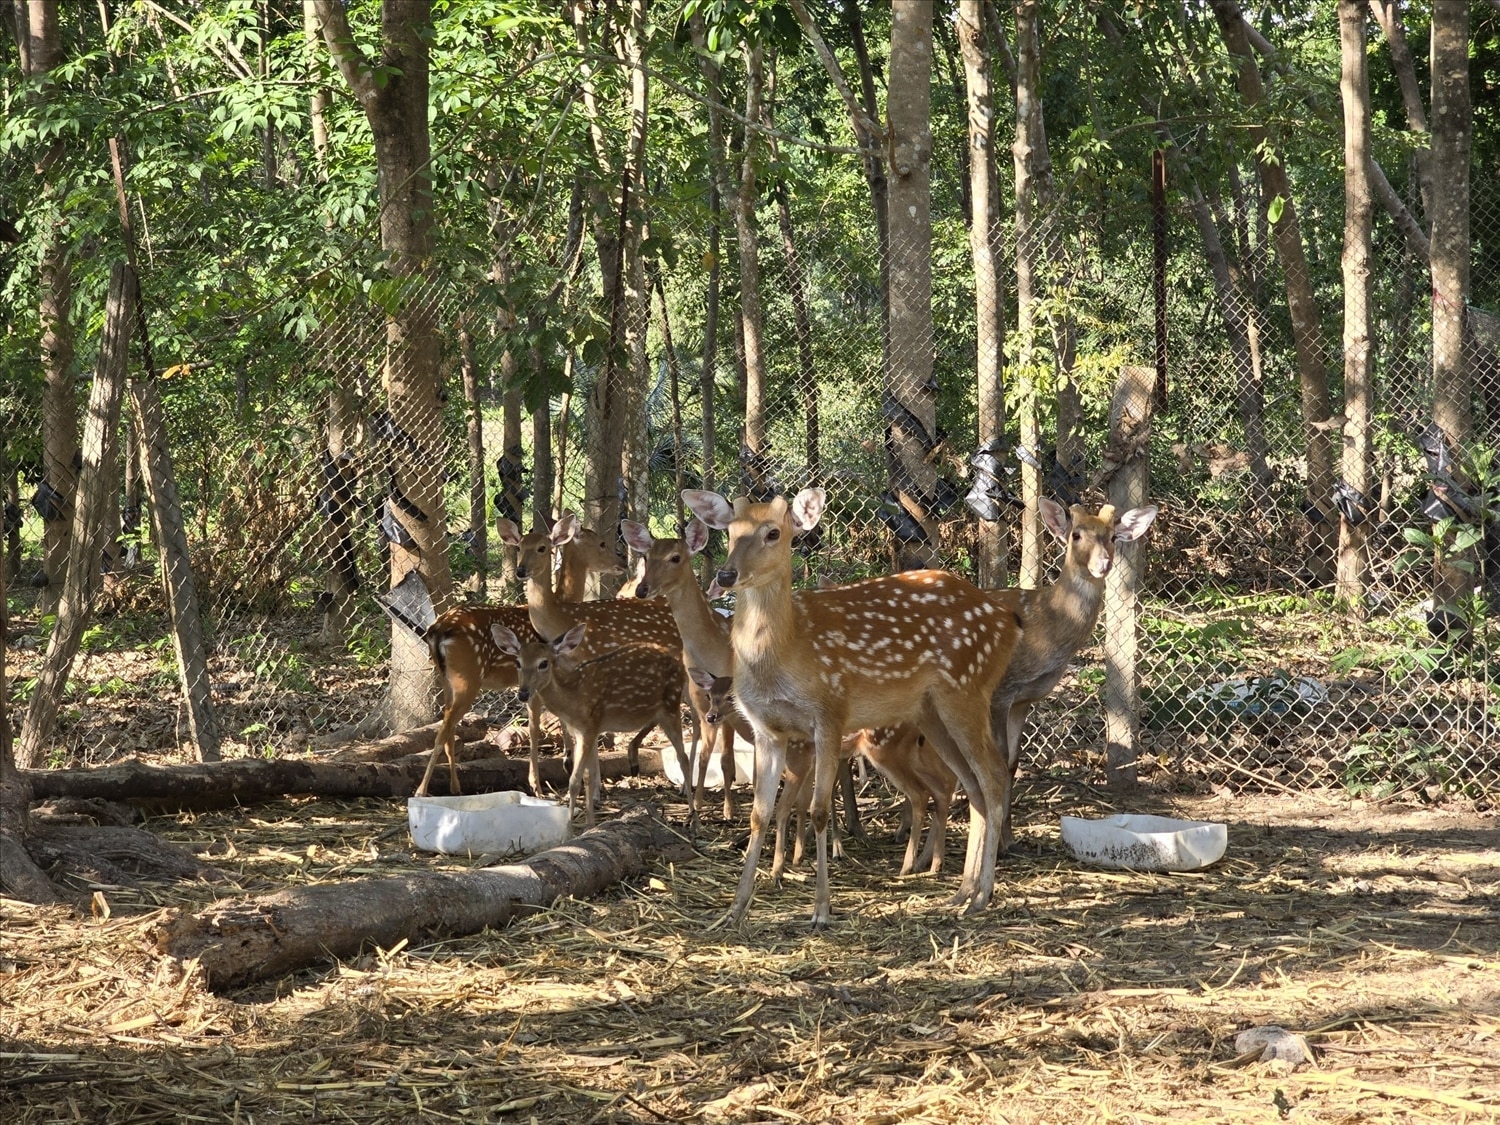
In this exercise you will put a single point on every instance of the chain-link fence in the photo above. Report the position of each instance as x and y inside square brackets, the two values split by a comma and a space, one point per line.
[1249, 672]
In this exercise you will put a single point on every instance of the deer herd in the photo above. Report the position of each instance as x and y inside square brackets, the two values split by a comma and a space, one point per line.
[922, 674]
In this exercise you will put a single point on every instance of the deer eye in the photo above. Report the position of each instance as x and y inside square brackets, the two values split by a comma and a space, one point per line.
[541, 666]
[675, 559]
[773, 535]
[1078, 537]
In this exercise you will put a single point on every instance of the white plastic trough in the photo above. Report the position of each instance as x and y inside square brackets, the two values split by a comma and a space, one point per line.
[1145, 843]
[487, 824]
[744, 765]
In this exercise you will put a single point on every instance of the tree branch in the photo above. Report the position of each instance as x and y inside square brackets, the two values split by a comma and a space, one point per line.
[351, 61]
[856, 111]
[1416, 239]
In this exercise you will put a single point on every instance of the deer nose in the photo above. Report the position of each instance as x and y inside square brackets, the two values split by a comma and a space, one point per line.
[524, 694]
[522, 572]
[727, 578]
[642, 590]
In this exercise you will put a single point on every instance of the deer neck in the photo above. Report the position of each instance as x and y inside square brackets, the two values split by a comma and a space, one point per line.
[548, 616]
[1071, 605]
[702, 639]
[572, 578]
[764, 629]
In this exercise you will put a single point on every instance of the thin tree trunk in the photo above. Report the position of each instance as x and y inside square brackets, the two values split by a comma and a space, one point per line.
[1452, 135]
[543, 468]
[41, 51]
[911, 388]
[986, 247]
[1028, 106]
[1388, 16]
[748, 241]
[1359, 390]
[394, 98]
[478, 501]
[674, 375]
[796, 283]
[96, 479]
[636, 464]
[1301, 302]
[719, 190]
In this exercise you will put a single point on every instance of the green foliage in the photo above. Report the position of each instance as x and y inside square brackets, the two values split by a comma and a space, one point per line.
[1384, 763]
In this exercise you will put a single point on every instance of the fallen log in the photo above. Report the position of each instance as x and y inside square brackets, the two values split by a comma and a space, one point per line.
[245, 781]
[404, 742]
[239, 942]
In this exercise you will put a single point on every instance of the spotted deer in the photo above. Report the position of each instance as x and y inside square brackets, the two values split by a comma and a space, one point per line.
[612, 623]
[588, 552]
[467, 661]
[667, 570]
[921, 646]
[1060, 618]
[625, 689]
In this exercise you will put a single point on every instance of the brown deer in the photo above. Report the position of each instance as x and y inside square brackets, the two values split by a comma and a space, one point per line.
[921, 646]
[1060, 617]
[667, 569]
[612, 624]
[588, 552]
[468, 662]
[627, 688]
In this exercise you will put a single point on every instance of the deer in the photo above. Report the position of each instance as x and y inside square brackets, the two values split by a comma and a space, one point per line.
[923, 646]
[625, 689]
[667, 570]
[461, 648]
[588, 552]
[1060, 618]
[612, 624]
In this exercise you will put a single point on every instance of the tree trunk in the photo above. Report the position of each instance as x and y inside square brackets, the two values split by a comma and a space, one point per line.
[796, 283]
[96, 480]
[986, 247]
[395, 101]
[1128, 463]
[360, 771]
[41, 51]
[1388, 15]
[543, 469]
[719, 190]
[636, 466]
[479, 519]
[1359, 391]
[1452, 134]
[20, 878]
[911, 388]
[1306, 329]
[872, 146]
[237, 943]
[748, 242]
[1028, 107]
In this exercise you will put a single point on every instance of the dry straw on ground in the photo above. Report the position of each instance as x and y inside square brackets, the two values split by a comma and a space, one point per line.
[1079, 996]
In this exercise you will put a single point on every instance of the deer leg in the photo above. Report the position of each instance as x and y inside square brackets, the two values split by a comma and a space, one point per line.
[825, 770]
[903, 830]
[917, 803]
[576, 776]
[851, 806]
[727, 767]
[534, 733]
[937, 834]
[671, 722]
[770, 758]
[957, 760]
[702, 751]
[791, 802]
[460, 699]
[990, 801]
[1013, 725]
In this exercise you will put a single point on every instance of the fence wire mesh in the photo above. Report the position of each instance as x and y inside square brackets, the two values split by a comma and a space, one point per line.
[1250, 672]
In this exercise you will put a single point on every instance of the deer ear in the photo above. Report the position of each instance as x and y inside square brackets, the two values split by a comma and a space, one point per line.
[1055, 516]
[510, 534]
[564, 530]
[709, 507]
[509, 643]
[571, 639]
[695, 535]
[636, 536]
[807, 508]
[704, 680]
[1133, 524]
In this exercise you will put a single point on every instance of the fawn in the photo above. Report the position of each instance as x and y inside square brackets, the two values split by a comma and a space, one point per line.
[1060, 617]
[468, 661]
[921, 646]
[625, 689]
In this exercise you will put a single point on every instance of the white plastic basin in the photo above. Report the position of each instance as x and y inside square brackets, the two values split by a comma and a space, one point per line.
[1145, 843]
[487, 824]
[744, 765]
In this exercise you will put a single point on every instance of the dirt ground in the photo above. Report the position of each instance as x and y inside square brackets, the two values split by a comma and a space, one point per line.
[1080, 995]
